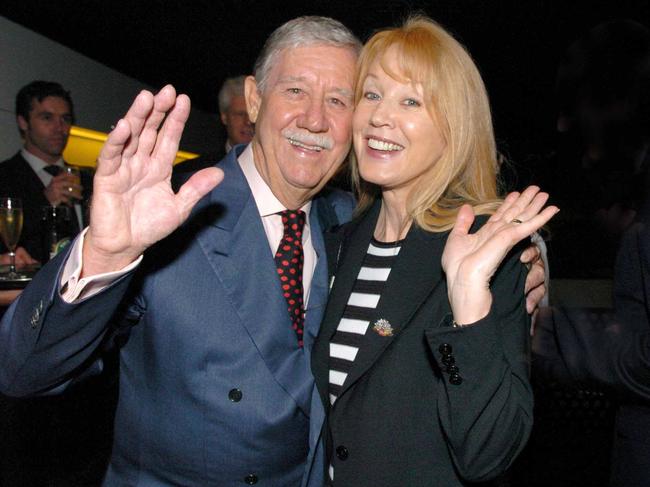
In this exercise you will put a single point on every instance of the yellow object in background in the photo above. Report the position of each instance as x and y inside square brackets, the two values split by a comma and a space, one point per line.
[84, 146]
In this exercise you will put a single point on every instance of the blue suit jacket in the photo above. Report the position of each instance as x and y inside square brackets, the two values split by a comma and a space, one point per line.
[213, 387]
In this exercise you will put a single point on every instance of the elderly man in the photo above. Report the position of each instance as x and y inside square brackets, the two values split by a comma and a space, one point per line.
[234, 117]
[216, 321]
[212, 391]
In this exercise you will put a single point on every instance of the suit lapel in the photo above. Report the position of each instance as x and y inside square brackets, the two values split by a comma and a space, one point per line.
[318, 292]
[33, 181]
[237, 249]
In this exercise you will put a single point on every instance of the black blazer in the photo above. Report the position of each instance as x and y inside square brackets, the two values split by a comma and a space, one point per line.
[431, 405]
[610, 348]
[17, 179]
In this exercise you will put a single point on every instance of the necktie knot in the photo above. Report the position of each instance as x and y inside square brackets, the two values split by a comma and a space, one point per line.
[293, 221]
[53, 170]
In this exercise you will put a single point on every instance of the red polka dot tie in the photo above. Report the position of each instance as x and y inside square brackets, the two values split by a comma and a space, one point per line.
[289, 260]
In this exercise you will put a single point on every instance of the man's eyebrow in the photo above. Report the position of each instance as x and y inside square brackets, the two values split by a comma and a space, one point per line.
[343, 92]
[47, 113]
[295, 79]
[291, 79]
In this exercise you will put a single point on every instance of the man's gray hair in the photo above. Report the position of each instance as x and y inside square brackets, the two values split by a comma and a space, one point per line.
[230, 88]
[301, 32]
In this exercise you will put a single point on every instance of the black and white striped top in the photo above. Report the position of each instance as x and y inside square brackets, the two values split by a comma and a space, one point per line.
[358, 312]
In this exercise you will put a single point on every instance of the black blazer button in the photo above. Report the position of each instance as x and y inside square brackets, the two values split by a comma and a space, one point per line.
[342, 453]
[448, 360]
[445, 349]
[250, 479]
[452, 369]
[235, 395]
[455, 379]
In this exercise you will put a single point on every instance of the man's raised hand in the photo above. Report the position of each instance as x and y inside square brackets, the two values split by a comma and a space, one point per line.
[133, 205]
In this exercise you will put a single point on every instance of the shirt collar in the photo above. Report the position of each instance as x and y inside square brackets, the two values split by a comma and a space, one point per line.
[36, 163]
[267, 203]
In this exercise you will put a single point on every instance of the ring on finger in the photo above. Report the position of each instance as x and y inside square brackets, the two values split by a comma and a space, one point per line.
[516, 220]
[69, 189]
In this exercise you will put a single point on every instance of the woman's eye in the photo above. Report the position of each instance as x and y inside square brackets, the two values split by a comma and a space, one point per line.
[411, 102]
[369, 95]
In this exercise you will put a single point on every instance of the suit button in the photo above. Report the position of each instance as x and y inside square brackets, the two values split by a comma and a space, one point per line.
[250, 479]
[235, 395]
[448, 360]
[445, 349]
[342, 453]
[455, 379]
[452, 369]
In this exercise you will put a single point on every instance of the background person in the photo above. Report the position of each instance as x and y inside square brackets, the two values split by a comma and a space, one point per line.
[44, 114]
[234, 117]
[607, 113]
[63, 439]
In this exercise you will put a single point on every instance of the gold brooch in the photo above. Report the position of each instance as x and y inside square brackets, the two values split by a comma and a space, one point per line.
[383, 328]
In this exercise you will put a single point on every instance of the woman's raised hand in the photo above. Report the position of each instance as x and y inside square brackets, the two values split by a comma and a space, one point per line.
[470, 260]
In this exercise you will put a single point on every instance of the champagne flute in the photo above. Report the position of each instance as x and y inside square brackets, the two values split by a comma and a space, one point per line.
[11, 224]
[74, 172]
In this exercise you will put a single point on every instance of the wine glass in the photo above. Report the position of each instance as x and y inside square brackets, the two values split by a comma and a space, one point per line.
[11, 224]
[75, 174]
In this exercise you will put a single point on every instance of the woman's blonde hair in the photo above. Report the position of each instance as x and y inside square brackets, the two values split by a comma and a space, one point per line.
[458, 102]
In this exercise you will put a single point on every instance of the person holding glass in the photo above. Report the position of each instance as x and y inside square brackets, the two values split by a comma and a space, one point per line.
[422, 358]
[38, 175]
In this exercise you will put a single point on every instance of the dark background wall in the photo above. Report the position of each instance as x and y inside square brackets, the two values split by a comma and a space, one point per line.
[195, 44]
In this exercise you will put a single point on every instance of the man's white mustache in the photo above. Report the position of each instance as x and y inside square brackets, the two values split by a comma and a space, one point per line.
[307, 138]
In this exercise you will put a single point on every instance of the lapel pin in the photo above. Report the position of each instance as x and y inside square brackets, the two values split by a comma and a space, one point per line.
[383, 328]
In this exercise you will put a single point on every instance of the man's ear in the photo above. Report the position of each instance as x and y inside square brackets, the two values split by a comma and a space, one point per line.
[22, 123]
[253, 98]
[224, 119]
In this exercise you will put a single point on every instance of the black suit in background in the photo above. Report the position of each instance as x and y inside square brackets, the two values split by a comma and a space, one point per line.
[62, 440]
[611, 349]
[18, 180]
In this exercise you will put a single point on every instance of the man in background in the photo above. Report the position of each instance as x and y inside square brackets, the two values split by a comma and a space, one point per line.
[62, 440]
[36, 174]
[234, 117]
[606, 99]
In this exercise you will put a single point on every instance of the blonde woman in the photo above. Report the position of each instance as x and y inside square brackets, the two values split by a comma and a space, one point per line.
[422, 359]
